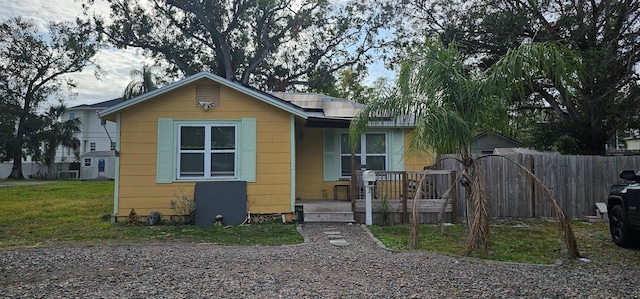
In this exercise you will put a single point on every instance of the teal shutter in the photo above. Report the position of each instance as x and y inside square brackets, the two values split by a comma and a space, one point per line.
[165, 156]
[330, 156]
[247, 150]
[396, 150]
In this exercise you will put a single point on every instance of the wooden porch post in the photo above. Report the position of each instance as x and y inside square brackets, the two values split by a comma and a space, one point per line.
[405, 192]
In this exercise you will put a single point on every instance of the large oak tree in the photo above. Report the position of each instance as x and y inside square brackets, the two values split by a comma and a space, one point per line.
[604, 34]
[273, 44]
[33, 66]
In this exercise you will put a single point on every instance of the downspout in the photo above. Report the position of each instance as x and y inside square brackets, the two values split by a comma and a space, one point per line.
[116, 184]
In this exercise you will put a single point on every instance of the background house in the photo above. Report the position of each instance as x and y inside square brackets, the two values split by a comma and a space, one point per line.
[94, 136]
[94, 133]
[486, 142]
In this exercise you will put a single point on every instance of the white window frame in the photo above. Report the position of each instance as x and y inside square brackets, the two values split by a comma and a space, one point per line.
[92, 146]
[363, 148]
[207, 151]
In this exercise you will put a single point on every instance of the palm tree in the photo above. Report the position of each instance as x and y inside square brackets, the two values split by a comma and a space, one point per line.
[142, 81]
[56, 133]
[449, 103]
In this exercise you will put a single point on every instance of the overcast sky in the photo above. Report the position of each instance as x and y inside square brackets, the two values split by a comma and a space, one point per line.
[115, 63]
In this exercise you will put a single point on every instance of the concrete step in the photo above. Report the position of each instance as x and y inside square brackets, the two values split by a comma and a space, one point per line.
[329, 206]
[328, 217]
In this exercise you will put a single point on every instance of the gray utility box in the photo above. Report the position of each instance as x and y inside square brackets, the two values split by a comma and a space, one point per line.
[228, 198]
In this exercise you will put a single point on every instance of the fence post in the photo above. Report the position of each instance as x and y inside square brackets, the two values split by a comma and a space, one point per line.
[405, 215]
[454, 196]
[533, 187]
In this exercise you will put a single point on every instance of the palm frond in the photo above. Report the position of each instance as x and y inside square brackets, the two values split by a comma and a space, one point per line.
[520, 67]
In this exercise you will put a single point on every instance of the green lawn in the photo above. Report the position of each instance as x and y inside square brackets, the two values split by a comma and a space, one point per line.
[69, 213]
[523, 241]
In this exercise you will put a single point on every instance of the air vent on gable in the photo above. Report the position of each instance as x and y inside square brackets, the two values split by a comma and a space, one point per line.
[208, 93]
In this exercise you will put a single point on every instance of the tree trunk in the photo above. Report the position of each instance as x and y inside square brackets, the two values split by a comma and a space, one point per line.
[16, 154]
[596, 145]
[16, 170]
[478, 221]
[51, 166]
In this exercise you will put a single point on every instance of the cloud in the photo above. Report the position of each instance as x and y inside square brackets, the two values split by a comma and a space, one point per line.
[116, 63]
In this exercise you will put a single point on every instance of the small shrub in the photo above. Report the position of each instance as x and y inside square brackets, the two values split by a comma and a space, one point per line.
[184, 207]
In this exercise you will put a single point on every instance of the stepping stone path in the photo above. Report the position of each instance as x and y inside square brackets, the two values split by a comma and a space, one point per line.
[335, 237]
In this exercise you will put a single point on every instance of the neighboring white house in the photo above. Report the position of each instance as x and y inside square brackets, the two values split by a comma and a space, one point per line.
[631, 141]
[94, 135]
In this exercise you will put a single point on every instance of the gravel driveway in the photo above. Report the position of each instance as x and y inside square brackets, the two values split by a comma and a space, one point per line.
[316, 269]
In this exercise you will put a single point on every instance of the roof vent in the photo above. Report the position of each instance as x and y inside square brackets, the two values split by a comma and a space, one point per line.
[208, 94]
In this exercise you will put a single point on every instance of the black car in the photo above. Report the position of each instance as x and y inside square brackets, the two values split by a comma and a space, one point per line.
[623, 207]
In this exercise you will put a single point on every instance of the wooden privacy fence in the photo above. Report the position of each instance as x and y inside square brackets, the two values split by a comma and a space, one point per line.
[394, 192]
[577, 182]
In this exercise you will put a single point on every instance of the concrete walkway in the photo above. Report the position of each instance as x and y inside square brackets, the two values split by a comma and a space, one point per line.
[340, 235]
[22, 183]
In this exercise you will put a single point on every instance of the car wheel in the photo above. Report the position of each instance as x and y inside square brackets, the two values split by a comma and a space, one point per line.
[621, 231]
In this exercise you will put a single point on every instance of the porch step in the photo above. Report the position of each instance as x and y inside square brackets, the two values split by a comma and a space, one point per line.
[328, 217]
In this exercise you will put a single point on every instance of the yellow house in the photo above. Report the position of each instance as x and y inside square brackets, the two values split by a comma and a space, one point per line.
[286, 147]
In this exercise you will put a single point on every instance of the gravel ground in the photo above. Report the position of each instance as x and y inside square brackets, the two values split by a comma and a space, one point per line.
[316, 269]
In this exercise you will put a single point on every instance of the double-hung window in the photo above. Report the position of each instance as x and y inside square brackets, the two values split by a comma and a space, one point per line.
[370, 150]
[207, 151]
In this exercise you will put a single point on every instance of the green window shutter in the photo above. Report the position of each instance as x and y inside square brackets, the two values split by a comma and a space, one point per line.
[247, 171]
[165, 155]
[330, 156]
[396, 150]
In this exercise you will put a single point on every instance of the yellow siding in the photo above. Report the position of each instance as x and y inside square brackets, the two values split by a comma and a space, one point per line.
[271, 193]
[309, 155]
[415, 160]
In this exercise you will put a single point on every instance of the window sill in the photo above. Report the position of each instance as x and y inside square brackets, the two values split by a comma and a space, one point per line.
[182, 180]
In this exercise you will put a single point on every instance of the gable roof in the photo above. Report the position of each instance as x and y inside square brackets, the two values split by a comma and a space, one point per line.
[495, 134]
[100, 105]
[319, 110]
[269, 99]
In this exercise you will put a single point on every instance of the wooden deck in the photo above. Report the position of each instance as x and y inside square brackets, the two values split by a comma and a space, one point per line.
[428, 211]
[394, 192]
